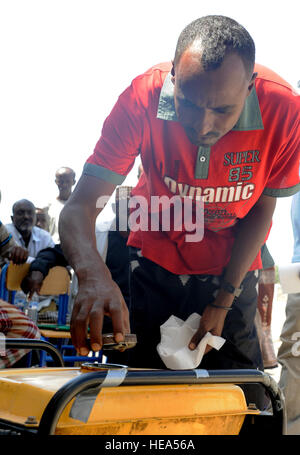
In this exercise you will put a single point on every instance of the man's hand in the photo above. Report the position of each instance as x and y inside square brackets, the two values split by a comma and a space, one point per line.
[212, 320]
[98, 297]
[32, 283]
[18, 255]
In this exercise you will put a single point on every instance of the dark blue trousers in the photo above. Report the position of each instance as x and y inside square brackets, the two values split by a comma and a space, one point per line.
[156, 294]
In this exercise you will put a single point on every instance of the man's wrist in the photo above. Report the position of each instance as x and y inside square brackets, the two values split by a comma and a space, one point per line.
[224, 298]
[229, 288]
[220, 307]
[92, 274]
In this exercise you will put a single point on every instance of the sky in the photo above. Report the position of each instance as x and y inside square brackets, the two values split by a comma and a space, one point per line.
[65, 62]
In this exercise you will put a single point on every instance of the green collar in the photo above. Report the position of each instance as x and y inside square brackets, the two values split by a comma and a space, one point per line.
[250, 118]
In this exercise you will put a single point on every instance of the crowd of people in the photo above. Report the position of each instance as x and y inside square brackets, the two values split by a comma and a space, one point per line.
[210, 126]
[32, 230]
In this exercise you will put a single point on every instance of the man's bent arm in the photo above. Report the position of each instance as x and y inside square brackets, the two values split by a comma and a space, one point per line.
[97, 294]
[251, 233]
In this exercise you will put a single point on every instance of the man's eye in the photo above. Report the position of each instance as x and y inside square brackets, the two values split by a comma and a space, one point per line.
[222, 111]
[188, 104]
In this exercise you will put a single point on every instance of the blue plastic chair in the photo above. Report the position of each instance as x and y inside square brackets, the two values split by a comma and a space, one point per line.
[3, 290]
[10, 280]
[10, 294]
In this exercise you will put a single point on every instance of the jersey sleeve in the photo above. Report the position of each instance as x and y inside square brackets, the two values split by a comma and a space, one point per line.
[120, 140]
[284, 177]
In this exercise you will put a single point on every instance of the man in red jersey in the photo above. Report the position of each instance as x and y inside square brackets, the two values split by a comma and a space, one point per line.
[210, 126]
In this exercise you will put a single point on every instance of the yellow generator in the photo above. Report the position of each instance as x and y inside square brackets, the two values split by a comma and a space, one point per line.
[104, 399]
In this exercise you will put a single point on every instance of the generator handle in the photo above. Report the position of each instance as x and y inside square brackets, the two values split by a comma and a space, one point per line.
[41, 345]
[97, 380]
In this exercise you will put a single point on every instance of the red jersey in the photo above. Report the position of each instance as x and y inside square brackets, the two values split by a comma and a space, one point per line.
[260, 155]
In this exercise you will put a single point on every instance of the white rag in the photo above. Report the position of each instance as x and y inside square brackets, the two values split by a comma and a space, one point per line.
[175, 338]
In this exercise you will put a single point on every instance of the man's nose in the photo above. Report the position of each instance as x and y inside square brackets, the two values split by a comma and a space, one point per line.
[204, 123]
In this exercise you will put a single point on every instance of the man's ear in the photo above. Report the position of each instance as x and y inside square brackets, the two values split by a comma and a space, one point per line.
[173, 73]
[251, 83]
[12, 218]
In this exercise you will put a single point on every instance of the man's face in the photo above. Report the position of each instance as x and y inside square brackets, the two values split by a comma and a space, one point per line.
[42, 220]
[24, 217]
[209, 104]
[64, 182]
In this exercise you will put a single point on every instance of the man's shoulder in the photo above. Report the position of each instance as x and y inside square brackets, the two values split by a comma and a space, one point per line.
[268, 82]
[154, 77]
[277, 98]
[159, 68]
[10, 227]
[40, 233]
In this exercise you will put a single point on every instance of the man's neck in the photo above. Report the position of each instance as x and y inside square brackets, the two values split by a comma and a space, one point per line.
[25, 236]
[62, 198]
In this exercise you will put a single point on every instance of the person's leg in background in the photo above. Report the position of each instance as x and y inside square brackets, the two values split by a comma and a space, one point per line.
[263, 318]
[289, 358]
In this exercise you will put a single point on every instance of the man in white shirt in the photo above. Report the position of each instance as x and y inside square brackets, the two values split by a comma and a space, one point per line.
[64, 179]
[24, 231]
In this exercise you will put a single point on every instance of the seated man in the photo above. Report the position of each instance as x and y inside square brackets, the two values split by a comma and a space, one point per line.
[24, 231]
[29, 236]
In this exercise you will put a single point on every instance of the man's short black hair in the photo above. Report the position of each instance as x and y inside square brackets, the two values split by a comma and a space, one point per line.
[219, 36]
[22, 201]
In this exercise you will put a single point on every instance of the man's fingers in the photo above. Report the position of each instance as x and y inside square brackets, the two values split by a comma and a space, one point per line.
[90, 312]
[126, 322]
[207, 349]
[18, 255]
[196, 340]
[78, 326]
[96, 323]
[22, 256]
[126, 325]
[119, 329]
